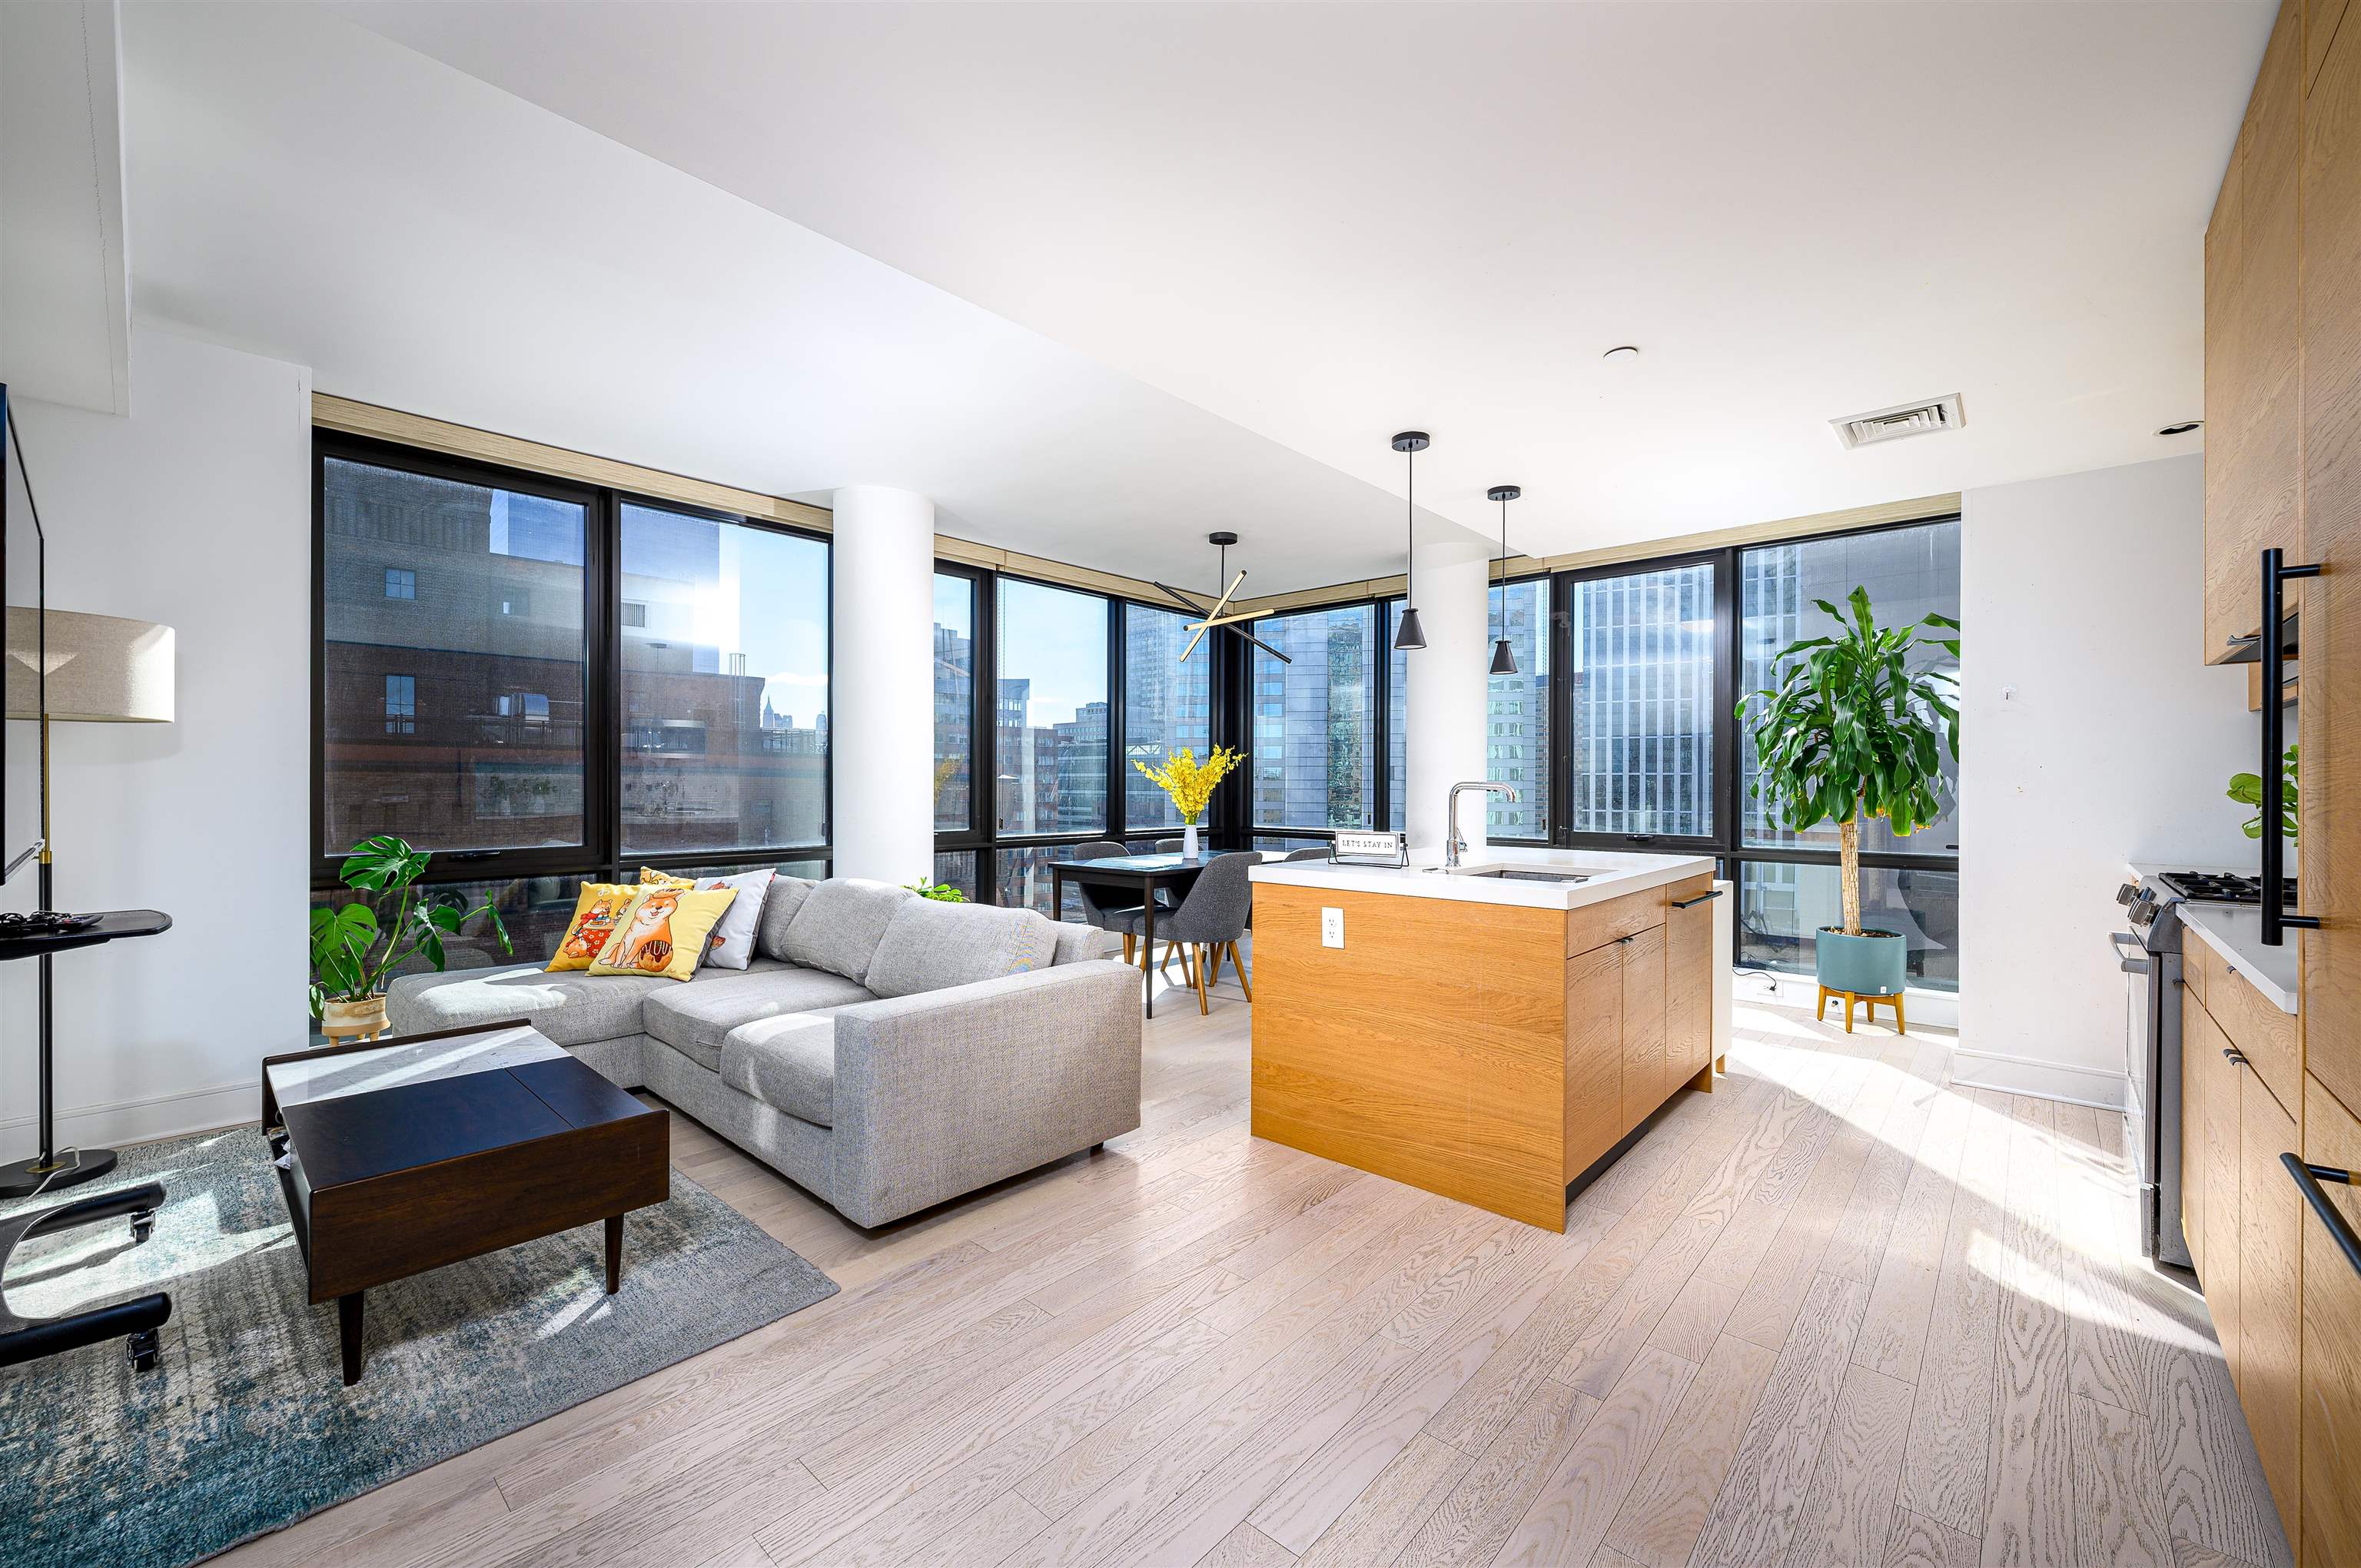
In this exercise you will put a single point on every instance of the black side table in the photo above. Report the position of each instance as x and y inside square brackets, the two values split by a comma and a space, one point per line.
[42, 1173]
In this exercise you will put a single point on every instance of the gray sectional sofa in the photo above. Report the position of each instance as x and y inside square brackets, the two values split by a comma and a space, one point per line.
[882, 1050]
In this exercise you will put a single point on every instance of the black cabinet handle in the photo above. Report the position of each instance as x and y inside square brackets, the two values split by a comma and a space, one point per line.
[2277, 920]
[2234, 1056]
[2308, 1178]
[1700, 898]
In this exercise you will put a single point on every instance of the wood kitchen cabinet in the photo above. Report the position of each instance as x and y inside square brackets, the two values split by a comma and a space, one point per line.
[2329, 719]
[2254, 345]
[2286, 1303]
[2331, 1346]
[2270, 1231]
[1688, 981]
[1644, 1088]
[1491, 1052]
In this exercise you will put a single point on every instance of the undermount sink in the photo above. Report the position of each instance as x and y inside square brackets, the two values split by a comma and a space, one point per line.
[1516, 873]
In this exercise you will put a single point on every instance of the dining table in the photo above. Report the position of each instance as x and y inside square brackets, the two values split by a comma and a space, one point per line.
[1148, 875]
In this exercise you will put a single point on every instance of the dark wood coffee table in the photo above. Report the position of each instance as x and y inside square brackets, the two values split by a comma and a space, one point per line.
[400, 1155]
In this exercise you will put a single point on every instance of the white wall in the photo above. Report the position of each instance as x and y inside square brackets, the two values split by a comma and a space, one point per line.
[195, 512]
[881, 705]
[2092, 737]
[1444, 739]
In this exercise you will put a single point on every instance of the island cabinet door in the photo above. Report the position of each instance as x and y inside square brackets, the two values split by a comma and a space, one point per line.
[1644, 1025]
[1689, 984]
[1594, 1055]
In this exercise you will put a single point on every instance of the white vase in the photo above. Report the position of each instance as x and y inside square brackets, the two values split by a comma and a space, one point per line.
[1189, 841]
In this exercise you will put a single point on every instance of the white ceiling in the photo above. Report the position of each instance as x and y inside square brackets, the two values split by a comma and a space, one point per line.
[1240, 244]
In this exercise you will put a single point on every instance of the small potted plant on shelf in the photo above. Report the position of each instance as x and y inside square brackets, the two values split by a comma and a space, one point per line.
[1851, 730]
[2247, 789]
[349, 968]
[1190, 784]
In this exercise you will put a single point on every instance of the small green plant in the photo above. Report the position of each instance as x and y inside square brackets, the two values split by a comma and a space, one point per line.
[940, 892]
[1851, 730]
[2247, 789]
[347, 964]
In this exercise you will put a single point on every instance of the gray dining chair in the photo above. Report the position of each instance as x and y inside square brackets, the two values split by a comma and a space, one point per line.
[1105, 907]
[1208, 921]
[1169, 846]
[1317, 852]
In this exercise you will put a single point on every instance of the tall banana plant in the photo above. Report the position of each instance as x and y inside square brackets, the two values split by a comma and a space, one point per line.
[1853, 730]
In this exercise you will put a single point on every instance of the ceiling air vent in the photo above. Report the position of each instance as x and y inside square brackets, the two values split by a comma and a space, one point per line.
[1905, 419]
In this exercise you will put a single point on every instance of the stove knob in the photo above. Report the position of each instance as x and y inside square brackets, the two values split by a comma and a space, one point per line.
[2125, 894]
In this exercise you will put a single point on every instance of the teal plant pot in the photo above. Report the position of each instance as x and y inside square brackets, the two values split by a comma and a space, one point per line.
[1870, 964]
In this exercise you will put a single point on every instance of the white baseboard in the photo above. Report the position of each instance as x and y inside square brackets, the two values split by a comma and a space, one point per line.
[1939, 1009]
[2041, 1080]
[137, 1121]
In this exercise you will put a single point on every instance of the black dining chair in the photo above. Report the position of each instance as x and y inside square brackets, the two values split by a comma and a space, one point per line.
[1209, 920]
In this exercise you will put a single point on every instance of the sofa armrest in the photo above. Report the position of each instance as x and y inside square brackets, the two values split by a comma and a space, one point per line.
[942, 1092]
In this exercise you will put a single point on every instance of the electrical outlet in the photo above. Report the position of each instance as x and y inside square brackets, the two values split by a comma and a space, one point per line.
[1332, 928]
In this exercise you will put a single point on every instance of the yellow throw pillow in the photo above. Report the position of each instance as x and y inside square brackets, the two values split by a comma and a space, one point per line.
[651, 877]
[596, 914]
[663, 932]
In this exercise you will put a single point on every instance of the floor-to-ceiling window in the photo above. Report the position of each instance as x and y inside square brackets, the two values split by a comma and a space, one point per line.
[1316, 740]
[542, 681]
[1046, 695]
[1167, 707]
[1652, 755]
[1642, 705]
[1787, 882]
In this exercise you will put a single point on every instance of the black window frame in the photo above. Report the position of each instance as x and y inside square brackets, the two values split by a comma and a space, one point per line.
[601, 857]
[980, 837]
[1726, 841]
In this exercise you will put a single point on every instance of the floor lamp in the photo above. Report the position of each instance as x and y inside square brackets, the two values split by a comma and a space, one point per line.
[65, 667]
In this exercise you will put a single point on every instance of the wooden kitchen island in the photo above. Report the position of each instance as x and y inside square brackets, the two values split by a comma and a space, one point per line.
[1494, 1040]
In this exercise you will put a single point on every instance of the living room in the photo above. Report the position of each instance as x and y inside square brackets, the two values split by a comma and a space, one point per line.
[1129, 718]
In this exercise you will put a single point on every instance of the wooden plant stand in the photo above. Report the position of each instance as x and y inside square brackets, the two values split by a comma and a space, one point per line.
[1853, 998]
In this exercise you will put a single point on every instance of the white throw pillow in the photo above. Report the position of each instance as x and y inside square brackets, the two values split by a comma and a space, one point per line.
[731, 944]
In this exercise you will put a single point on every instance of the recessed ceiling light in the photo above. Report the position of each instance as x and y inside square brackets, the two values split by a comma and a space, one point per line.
[2183, 428]
[1620, 352]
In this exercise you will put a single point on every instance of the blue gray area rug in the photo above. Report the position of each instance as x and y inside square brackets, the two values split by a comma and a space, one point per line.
[245, 1426]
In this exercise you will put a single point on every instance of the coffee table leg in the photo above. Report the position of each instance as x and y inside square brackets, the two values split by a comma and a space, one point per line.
[348, 1332]
[614, 1253]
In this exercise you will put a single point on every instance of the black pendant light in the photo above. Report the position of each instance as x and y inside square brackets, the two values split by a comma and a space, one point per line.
[1408, 633]
[1504, 662]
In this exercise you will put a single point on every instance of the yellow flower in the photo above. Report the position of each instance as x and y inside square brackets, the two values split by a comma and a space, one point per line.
[1188, 781]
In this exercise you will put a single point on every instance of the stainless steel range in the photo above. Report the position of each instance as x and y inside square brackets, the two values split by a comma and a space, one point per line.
[2150, 957]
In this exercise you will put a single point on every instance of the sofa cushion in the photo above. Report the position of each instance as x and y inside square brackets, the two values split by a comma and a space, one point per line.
[786, 1062]
[841, 924]
[570, 1009]
[1078, 943]
[780, 901]
[933, 947]
[693, 1019]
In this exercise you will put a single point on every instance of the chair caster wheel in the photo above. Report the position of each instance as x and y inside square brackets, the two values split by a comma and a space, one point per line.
[143, 1224]
[143, 1348]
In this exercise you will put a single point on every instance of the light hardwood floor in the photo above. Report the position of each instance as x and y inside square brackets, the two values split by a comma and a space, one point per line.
[1837, 1311]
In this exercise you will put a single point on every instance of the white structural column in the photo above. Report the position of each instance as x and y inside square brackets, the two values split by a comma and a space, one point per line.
[881, 709]
[1444, 731]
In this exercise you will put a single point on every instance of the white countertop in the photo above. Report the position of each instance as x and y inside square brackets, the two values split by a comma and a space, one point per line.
[2235, 931]
[1612, 875]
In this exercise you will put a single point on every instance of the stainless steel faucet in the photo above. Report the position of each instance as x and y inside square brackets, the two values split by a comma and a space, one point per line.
[1453, 846]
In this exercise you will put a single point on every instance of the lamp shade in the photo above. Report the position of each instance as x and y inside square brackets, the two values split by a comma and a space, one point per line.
[101, 668]
[1504, 658]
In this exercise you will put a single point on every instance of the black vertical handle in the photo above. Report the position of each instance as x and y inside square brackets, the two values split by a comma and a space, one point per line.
[2277, 920]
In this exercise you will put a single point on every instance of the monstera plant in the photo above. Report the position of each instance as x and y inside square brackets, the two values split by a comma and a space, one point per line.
[354, 950]
[1856, 728]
